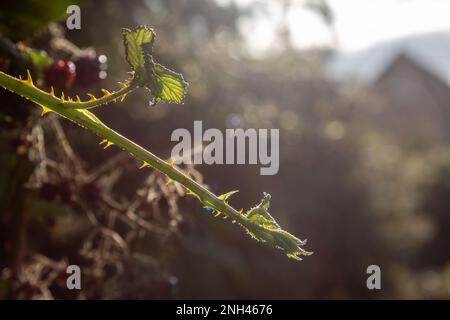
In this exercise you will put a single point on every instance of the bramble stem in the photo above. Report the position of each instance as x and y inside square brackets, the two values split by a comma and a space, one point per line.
[77, 113]
[256, 225]
[107, 98]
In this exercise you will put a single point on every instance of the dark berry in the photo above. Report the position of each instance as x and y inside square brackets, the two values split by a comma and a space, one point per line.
[59, 74]
[90, 71]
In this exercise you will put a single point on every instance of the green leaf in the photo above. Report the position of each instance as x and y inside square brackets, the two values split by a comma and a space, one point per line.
[264, 221]
[265, 202]
[262, 210]
[138, 45]
[167, 85]
[269, 231]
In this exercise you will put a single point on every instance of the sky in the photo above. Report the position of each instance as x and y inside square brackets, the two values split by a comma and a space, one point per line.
[358, 23]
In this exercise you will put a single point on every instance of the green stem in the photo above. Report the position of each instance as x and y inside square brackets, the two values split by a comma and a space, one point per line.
[257, 225]
[27, 89]
[92, 123]
[107, 98]
[76, 112]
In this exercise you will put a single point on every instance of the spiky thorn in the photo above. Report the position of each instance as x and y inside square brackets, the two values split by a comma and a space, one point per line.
[45, 110]
[192, 194]
[188, 175]
[122, 85]
[145, 164]
[123, 97]
[106, 93]
[106, 142]
[29, 80]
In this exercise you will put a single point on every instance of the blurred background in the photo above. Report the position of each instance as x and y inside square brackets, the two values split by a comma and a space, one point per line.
[359, 90]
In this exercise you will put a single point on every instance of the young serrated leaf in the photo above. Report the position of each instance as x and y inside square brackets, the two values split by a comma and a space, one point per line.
[262, 209]
[265, 202]
[264, 221]
[138, 43]
[166, 85]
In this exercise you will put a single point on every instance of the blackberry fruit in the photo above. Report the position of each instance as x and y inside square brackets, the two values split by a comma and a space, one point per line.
[90, 70]
[59, 74]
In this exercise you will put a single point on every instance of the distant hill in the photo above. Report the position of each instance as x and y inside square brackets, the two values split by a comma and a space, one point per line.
[431, 51]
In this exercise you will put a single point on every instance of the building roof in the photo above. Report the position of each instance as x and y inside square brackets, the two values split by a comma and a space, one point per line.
[431, 51]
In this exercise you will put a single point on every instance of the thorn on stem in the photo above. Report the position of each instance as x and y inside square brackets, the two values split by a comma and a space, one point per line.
[144, 165]
[106, 93]
[29, 80]
[44, 110]
[106, 142]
